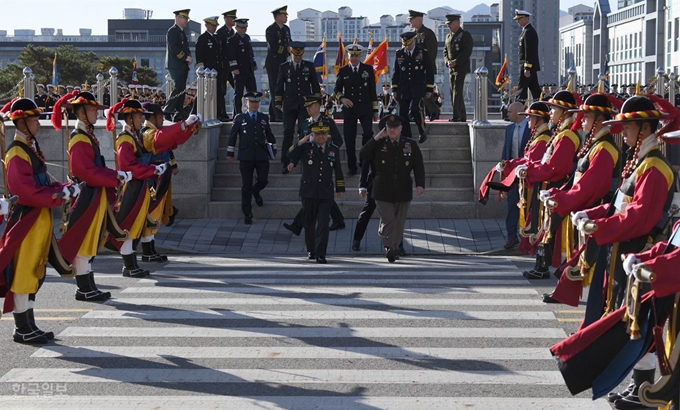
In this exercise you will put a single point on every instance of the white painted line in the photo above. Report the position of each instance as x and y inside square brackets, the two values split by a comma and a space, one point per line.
[283, 376]
[453, 273]
[367, 262]
[295, 301]
[319, 332]
[297, 402]
[315, 315]
[520, 281]
[308, 352]
[256, 290]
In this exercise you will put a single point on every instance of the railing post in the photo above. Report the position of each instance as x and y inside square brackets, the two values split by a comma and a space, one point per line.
[572, 78]
[113, 85]
[671, 88]
[660, 83]
[100, 94]
[213, 94]
[200, 92]
[168, 86]
[29, 88]
[481, 117]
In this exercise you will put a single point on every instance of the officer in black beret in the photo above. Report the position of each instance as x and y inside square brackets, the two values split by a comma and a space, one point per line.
[278, 43]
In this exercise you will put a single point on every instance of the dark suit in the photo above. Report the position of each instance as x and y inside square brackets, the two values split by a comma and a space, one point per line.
[458, 48]
[512, 217]
[358, 87]
[412, 77]
[224, 33]
[177, 51]
[253, 135]
[366, 182]
[316, 190]
[291, 87]
[240, 56]
[210, 54]
[528, 60]
[278, 40]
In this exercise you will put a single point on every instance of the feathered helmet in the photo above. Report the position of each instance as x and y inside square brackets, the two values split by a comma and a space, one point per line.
[20, 108]
[71, 100]
[602, 104]
[123, 107]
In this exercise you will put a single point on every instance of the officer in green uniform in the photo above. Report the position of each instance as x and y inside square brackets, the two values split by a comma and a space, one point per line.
[457, 51]
[177, 60]
[320, 160]
[395, 157]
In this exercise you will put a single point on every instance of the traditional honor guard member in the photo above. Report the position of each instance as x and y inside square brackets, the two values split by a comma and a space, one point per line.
[210, 54]
[255, 137]
[134, 205]
[599, 156]
[177, 60]
[318, 156]
[278, 42]
[412, 80]
[457, 51]
[91, 215]
[297, 78]
[313, 105]
[241, 63]
[528, 57]
[27, 241]
[159, 141]
[553, 170]
[395, 158]
[386, 104]
[355, 89]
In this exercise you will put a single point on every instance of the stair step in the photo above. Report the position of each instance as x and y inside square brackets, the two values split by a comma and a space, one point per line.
[431, 166]
[448, 153]
[272, 195]
[276, 179]
[433, 140]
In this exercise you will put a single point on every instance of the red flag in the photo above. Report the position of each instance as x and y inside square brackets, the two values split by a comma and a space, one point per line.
[378, 59]
[341, 57]
[501, 73]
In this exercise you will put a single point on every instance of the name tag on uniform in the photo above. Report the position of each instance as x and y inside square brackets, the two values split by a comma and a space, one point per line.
[619, 203]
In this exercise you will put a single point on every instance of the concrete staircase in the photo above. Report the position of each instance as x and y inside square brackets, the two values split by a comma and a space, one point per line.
[449, 190]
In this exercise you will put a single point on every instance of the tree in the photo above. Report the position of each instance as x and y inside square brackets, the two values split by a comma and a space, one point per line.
[145, 75]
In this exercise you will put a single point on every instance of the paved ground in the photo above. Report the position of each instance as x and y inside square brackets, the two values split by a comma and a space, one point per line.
[422, 237]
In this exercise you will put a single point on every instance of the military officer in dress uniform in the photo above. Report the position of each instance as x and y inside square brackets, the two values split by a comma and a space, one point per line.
[254, 134]
[528, 56]
[224, 33]
[412, 80]
[457, 51]
[241, 63]
[395, 157]
[355, 89]
[278, 41]
[323, 159]
[209, 54]
[41, 97]
[297, 78]
[426, 39]
[177, 60]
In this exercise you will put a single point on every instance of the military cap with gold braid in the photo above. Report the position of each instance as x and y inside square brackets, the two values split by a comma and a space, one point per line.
[520, 14]
[320, 127]
[414, 14]
[183, 13]
[280, 10]
[212, 20]
[393, 121]
[452, 17]
[243, 23]
[354, 49]
[312, 99]
[408, 37]
[230, 13]
[297, 47]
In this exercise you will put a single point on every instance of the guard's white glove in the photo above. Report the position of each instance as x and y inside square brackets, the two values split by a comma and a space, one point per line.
[500, 167]
[577, 216]
[124, 176]
[543, 196]
[160, 169]
[641, 273]
[194, 118]
[520, 171]
[586, 226]
[629, 263]
[4, 206]
[75, 190]
[67, 193]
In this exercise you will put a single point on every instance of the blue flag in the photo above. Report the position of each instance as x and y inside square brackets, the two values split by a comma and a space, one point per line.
[320, 62]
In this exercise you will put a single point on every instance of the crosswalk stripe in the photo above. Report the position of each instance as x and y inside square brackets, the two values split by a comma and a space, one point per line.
[316, 315]
[520, 281]
[307, 352]
[284, 376]
[375, 262]
[298, 402]
[225, 290]
[509, 272]
[318, 332]
[280, 301]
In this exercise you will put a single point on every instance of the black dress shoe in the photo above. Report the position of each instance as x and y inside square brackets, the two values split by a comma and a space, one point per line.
[321, 259]
[453, 120]
[337, 225]
[356, 245]
[422, 139]
[294, 229]
[258, 198]
[248, 219]
[391, 255]
[311, 255]
[284, 171]
[547, 298]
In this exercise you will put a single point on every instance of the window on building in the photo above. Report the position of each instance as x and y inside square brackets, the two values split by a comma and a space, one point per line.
[144, 62]
[676, 35]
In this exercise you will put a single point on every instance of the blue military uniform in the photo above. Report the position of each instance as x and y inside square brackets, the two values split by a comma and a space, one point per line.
[278, 41]
[240, 56]
[254, 134]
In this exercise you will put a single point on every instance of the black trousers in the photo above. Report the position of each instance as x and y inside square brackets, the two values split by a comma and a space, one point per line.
[317, 214]
[531, 84]
[247, 190]
[350, 134]
[274, 113]
[243, 80]
[364, 217]
[176, 99]
[221, 92]
[336, 216]
[416, 107]
[290, 117]
[457, 101]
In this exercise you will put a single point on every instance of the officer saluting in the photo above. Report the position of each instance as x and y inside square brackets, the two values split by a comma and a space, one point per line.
[457, 51]
[412, 80]
[278, 41]
[319, 162]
